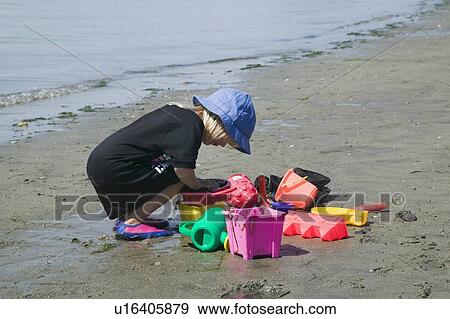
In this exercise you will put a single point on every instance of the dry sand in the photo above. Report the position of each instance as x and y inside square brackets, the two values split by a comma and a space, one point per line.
[385, 128]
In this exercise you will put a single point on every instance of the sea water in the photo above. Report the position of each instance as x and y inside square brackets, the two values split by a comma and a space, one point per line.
[60, 55]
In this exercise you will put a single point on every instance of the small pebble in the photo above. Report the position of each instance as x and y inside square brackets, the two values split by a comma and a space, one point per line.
[406, 215]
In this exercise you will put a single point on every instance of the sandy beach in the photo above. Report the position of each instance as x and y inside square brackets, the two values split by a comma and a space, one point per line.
[382, 128]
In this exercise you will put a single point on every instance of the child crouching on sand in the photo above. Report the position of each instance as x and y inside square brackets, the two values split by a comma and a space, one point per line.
[141, 166]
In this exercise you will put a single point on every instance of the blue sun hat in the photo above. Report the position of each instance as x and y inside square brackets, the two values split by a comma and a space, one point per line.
[235, 109]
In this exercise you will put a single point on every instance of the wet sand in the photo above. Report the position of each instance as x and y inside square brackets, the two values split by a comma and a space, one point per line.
[382, 129]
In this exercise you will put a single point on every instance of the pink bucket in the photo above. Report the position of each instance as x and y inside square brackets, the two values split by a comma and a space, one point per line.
[255, 231]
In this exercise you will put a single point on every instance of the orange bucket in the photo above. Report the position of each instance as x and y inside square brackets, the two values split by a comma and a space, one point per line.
[296, 190]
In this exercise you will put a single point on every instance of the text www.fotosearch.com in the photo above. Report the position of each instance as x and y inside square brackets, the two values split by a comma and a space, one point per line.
[248, 309]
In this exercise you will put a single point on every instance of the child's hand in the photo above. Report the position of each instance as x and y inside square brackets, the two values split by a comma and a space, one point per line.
[188, 178]
[211, 185]
[208, 185]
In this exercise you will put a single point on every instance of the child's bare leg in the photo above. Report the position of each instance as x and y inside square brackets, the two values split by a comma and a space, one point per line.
[143, 213]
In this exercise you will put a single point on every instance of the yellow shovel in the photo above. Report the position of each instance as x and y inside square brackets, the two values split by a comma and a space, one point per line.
[353, 217]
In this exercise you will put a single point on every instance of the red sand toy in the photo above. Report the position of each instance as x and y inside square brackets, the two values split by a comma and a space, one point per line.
[296, 190]
[239, 192]
[243, 193]
[314, 226]
[379, 207]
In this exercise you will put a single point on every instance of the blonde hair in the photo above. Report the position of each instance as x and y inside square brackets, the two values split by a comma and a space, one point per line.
[214, 128]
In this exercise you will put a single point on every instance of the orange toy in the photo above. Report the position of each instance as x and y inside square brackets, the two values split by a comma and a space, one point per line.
[296, 190]
[314, 226]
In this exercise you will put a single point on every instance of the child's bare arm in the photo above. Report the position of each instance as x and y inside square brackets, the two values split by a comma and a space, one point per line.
[187, 177]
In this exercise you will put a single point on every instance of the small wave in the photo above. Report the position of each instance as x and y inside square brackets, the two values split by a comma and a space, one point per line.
[141, 71]
[49, 93]
[233, 59]
[182, 65]
[217, 61]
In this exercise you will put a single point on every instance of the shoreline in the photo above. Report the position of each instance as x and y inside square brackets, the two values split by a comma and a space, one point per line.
[381, 129]
[43, 114]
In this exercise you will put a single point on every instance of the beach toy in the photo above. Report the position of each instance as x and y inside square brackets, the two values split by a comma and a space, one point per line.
[190, 212]
[317, 179]
[226, 244]
[260, 183]
[296, 190]
[372, 207]
[351, 216]
[270, 183]
[208, 233]
[239, 192]
[327, 228]
[243, 193]
[262, 190]
[255, 231]
[195, 212]
[281, 206]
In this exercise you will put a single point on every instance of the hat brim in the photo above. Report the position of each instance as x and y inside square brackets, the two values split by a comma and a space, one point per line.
[232, 130]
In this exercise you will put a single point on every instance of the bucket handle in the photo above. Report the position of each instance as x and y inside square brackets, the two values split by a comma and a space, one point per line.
[291, 185]
[185, 228]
